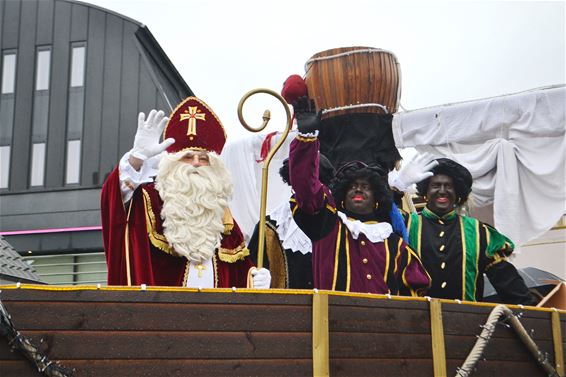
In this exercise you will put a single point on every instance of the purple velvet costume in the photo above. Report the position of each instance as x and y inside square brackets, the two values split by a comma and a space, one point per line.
[341, 262]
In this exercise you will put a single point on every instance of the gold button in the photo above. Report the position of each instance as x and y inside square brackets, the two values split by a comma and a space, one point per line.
[443, 265]
[443, 285]
[442, 248]
[365, 261]
[368, 276]
[363, 243]
[441, 234]
[441, 222]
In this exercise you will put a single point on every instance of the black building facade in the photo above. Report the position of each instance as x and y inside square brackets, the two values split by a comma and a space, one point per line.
[73, 78]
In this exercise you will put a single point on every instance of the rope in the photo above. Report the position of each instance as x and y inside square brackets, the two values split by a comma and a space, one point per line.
[361, 51]
[28, 349]
[489, 328]
[348, 107]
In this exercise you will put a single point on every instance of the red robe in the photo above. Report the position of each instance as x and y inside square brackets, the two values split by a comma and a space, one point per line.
[147, 251]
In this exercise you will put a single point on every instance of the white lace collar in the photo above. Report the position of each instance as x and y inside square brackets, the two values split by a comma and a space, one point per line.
[291, 236]
[377, 232]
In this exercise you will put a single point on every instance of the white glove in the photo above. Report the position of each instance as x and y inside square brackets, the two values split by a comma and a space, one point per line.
[412, 172]
[261, 278]
[146, 142]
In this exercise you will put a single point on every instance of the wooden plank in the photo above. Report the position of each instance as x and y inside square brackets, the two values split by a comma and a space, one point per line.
[340, 367]
[90, 316]
[320, 337]
[557, 341]
[417, 346]
[171, 368]
[437, 338]
[285, 367]
[185, 296]
[168, 345]
[469, 324]
[378, 319]
[399, 319]
[490, 368]
[378, 301]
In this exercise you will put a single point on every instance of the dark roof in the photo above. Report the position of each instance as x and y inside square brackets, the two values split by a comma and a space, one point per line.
[13, 268]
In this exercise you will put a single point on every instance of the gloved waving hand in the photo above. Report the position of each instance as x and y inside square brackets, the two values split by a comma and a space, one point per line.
[146, 142]
[412, 172]
[308, 119]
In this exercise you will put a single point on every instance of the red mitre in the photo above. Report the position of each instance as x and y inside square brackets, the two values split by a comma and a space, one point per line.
[194, 125]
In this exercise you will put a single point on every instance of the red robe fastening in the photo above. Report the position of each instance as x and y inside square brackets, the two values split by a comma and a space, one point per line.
[150, 258]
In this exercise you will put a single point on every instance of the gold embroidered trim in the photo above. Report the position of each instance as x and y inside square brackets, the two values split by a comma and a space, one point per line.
[336, 254]
[276, 257]
[499, 260]
[215, 271]
[306, 139]
[186, 277]
[156, 239]
[228, 221]
[233, 255]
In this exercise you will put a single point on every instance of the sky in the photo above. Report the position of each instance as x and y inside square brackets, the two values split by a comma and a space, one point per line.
[449, 51]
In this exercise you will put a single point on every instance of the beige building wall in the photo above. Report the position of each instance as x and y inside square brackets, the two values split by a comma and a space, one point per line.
[547, 252]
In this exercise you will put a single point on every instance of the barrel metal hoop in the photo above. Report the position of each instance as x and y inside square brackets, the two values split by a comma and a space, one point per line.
[347, 53]
[356, 106]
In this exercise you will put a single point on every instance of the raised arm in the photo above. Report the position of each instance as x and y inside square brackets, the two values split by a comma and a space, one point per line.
[304, 159]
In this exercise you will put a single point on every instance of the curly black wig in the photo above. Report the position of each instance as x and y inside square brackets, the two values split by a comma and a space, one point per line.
[461, 177]
[326, 171]
[377, 178]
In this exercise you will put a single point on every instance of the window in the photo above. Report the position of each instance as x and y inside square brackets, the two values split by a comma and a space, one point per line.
[8, 87]
[4, 166]
[78, 66]
[40, 115]
[75, 113]
[66, 269]
[8, 72]
[73, 161]
[43, 63]
[37, 164]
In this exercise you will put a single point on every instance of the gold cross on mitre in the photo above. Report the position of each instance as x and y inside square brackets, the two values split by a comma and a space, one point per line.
[193, 114]
[200, 268]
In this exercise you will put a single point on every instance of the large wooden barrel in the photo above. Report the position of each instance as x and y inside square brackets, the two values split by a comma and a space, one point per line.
[362, 79]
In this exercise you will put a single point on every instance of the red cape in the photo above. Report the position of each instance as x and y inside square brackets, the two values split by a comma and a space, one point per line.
[146, 258]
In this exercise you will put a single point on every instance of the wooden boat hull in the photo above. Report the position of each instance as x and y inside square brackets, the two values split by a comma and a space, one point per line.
[182, 332]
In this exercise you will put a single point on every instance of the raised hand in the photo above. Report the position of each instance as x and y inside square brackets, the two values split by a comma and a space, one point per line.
[308, 119]
[146, 142]
[412, 172]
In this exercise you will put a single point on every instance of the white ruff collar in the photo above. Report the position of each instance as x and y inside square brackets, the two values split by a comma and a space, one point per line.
[377, 232]
[291, 236]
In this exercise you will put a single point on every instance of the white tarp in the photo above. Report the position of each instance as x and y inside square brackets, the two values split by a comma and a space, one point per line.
[514, 146]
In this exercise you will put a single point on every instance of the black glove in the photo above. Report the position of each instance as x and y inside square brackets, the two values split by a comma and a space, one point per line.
[308, 120]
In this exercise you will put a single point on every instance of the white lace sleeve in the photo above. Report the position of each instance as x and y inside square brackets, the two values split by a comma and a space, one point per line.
[130, 179]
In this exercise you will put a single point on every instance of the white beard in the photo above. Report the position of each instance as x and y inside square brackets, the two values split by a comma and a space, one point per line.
[194, 200]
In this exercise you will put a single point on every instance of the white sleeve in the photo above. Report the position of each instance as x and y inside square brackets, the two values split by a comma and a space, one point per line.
[130, 179]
